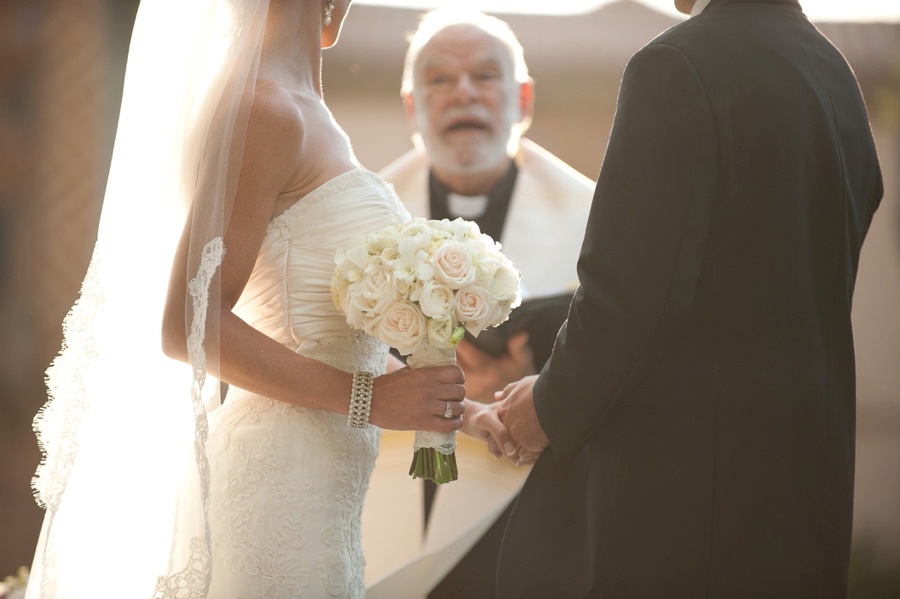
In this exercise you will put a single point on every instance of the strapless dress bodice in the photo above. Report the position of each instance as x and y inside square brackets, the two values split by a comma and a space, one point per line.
[288, 295]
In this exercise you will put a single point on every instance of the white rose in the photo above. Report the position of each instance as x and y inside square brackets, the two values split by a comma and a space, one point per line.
[500, 313]
[459, 229]
[354, 258]
[414, 236]
[349, 269]
[440, 332]
[363, 302]
[382, 238]
[389, 255]
[402, 327]
[505, 284]
[485, 269]
[436, 300]
[378, 289]
[490, 244]
[475, 308]
[442, 226]
[453, 266]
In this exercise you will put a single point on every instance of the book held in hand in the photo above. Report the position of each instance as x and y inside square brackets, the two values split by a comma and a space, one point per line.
[541, 317]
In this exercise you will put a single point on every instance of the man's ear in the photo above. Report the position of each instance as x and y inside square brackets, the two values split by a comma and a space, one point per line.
[410, 109]
[526, 102]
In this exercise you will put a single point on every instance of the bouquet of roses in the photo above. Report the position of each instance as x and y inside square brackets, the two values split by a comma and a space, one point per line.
[418, 287]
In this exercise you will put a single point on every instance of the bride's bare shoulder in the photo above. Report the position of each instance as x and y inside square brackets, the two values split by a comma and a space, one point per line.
[275, 113]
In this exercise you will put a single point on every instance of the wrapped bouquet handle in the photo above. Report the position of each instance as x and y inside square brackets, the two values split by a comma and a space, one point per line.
[434, 454]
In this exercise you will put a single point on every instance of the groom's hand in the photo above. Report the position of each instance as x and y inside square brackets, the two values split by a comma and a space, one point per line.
[517, 412]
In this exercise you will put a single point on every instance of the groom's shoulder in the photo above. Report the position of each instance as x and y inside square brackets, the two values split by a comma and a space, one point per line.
[691, 33]
[697, 41]
[677, 43]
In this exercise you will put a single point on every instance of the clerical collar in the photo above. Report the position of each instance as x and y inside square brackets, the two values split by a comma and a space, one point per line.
[488, 211]
[468, 207]
[699, 5]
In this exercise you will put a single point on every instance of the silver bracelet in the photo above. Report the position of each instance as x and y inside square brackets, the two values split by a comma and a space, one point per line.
[361, 399]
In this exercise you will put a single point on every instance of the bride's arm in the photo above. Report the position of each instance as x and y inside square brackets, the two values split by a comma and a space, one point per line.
[404, 399]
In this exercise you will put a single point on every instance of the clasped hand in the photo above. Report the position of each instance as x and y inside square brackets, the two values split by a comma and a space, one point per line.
[509, 426]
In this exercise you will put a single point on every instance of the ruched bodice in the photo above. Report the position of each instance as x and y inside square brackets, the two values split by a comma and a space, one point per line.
[288, 296]
[288, 482]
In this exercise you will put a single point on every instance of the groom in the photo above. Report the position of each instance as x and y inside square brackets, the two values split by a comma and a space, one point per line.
[698, 409]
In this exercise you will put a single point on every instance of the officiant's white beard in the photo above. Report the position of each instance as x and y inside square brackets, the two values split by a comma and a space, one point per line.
[473, 153]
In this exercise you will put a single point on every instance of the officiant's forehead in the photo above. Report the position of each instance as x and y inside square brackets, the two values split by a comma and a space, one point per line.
[448, 26]
[464, 44]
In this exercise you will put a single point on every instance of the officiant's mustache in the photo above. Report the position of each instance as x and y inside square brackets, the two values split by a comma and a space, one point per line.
[466, 121]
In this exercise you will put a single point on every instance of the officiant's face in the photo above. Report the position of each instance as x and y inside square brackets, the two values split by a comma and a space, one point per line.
[465, 103]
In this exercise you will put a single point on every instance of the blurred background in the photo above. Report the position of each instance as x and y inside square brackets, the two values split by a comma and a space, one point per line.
[61, 69]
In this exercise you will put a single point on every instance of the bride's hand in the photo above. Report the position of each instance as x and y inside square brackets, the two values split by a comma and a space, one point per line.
[417, 398]
[482, 422]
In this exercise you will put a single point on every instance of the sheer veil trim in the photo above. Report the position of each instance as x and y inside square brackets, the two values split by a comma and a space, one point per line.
[124, 476]
[196, 574]
[56, 422]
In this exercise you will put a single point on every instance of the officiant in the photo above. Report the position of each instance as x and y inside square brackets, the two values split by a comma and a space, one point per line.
[469, 99]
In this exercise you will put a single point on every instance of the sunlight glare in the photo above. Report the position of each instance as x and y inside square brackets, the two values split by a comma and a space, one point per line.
[887, 11]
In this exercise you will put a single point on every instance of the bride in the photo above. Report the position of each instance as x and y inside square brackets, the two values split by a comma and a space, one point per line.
[154, 480]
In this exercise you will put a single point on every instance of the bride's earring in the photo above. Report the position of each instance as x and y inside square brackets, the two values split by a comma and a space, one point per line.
[329, 6]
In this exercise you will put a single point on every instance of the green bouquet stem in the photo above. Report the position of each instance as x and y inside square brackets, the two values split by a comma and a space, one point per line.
[430, 464]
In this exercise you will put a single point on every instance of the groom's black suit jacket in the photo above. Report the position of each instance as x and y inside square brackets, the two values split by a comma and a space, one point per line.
[700, 400]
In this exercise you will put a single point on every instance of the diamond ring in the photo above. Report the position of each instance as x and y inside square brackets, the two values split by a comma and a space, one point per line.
[448, 412]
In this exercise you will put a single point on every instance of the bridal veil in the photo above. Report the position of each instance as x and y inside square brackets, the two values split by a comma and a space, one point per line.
[124, 478]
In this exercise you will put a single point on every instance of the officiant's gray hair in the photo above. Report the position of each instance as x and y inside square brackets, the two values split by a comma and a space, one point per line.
[437, 20]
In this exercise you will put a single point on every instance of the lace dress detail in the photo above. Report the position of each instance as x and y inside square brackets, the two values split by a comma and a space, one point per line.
[288, 483]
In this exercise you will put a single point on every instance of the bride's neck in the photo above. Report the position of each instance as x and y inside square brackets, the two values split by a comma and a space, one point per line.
[292, 49]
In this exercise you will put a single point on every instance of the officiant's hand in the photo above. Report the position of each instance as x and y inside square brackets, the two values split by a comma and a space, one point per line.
[487, 374]
[516, 411]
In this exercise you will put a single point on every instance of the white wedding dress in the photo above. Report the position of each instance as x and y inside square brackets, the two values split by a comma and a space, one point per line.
[288, 483]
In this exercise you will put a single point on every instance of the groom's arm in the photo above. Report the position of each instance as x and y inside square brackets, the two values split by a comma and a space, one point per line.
[642, 251]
